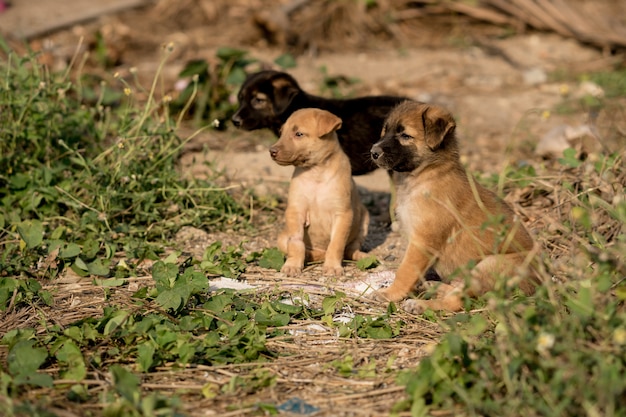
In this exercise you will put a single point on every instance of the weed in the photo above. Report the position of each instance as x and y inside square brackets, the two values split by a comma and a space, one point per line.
[532, 355]
[336, 85]
[208, 95]
[613, 82]
[78, 184]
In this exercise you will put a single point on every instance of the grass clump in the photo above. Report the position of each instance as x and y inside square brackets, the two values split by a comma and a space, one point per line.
[80, 183]
[560, 352]
[91, 191]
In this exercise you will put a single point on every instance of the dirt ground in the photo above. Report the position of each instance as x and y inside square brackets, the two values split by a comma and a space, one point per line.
[503, 88]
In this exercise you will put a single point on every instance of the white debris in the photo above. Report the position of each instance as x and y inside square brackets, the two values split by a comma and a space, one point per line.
[589, 88]
[535, 76]
[561, 137]
[309, 329]
[233, 284]
[344, 318]
[298, 301]
[372, 282]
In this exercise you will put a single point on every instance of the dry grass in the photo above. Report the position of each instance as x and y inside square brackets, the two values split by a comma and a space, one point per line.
[305, 363]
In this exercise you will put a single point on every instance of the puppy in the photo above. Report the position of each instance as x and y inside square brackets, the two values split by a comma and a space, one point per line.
[451, 220]
[268, 98]
[325, 218]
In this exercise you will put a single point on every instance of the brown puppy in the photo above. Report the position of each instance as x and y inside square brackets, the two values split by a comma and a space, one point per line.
[451, 220]
[325, 218]
[268, 98]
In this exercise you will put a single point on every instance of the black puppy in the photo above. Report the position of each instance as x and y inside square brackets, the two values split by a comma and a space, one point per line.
[268, 98]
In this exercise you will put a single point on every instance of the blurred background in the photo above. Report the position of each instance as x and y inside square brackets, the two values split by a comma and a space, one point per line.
[536, 75]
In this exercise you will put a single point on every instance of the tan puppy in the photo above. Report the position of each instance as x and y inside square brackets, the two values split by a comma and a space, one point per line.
[451, 220]
[325, 218]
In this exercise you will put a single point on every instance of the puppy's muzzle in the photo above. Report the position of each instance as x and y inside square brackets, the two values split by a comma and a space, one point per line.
[273, 152]
[376, 152]
[236, 119]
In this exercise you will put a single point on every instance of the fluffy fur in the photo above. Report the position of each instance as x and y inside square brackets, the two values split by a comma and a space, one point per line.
[268, 98]
[450, 220]
[325, 219]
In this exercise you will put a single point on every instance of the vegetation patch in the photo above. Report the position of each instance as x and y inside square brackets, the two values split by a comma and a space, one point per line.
[102, 313]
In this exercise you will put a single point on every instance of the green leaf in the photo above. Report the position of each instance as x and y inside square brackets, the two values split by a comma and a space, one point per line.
[195, 67]
[79, 271]
[367, 263]
[285, 61]
[172, 258]
[97, 268]
[164, 275]
[112, 282]
[19, 181]
[605, 283]
[170, 299]
[34, 379]
[193, 281]
[236, 76]
[46, 297]
[272, 258]
[477, 325]
[145, 356]
[379, 332]
[228, 262]
[181, 289]
[226, 53]
[287, 308]
[71, 250]
[74, 332]
[116, 321]
[81, 264]
[620, 292]
[126, 384]
[7, 287]
[582, 303]
[90, 249]
[333, 302]
[70, 355]
[569, 158]
[24, 359]
[218, 303]
[268, 318]
[31, 232]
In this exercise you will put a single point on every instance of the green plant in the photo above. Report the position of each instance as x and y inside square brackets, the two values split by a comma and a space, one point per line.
[358, 325]
[534, 355]
[80, 183]
[612, 82]
[208, 94]
[272, 258]
[336, 84]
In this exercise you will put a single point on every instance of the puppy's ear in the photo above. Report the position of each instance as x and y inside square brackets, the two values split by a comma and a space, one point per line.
[438, 123]
[327, 123]
[285, 89]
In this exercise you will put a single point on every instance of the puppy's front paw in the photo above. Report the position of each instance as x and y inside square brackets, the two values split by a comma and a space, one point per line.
[414, 306]
[291, 270]
[332, 270]
[388, 294]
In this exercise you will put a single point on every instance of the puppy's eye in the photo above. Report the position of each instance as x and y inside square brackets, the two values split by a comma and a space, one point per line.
[405, 136]
[298, 134]
[258, 101]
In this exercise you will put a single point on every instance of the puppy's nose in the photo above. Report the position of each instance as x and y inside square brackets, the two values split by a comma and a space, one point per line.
[376, 152]
[273, 152]
[236, 120]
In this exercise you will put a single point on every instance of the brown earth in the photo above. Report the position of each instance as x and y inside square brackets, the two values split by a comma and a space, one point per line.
[505, 89]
